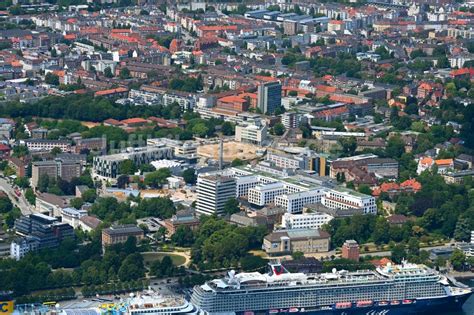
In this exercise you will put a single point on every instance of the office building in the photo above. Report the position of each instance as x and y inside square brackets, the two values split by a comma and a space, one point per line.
[253, 134]
[213, 192]
[185, 218]
[92, 144]
[295, 202]
[364, 169]
[342, 198]
[289, 120]
[294, 192]
[48, 231]
[307, 241]
[72, 216]
[47, 145]
[314, 220]
[305, 160]
[120, 233]
[107, 166]
[266, 193]
[269, 96]
[55, 169]
[51, 204]
[36, 222]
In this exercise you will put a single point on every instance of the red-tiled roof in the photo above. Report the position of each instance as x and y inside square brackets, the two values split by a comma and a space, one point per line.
[113, 122]
[444, 162]
[111, 91]
[136, 120]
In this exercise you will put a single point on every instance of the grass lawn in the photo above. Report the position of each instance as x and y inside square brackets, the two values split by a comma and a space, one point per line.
[178, 260]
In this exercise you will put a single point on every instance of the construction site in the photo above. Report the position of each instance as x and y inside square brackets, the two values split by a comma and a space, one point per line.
[231, 151]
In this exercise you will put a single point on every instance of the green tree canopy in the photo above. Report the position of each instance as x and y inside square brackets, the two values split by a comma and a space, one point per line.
[157, 178]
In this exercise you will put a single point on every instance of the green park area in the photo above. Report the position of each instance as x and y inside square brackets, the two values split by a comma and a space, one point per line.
[177, 260]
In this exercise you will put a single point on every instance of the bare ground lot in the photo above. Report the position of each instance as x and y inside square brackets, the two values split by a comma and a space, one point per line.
[232, 150]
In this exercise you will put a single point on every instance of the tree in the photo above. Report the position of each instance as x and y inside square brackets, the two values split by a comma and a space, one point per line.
[124, 73]
[51, 78]
[122, 181]
[395, 147]
[418, 126]
[462, 232]
[163, 268]
[252, 262]
[458, 259]
[227, 128]
[161, 234]
[189, 176]
[22, 182]
[365, 189]
[297, 255]
[417, 53]
[5, 205]
[132, 268]
[237, 162]
[231, 206]
[411, 109]
[10, 217]
[278, 129]
[145, 168]
[398, 253]
[158, 178]
[76, 203]
[108, 72]
[43, 183]
[55, 151]
[200, 130]
[413, 248]
[402, 123]
[380, 234]
[183, 236]
[161, 207]
[127, 167]
[349, 145]
[90, 195]
[30, 196]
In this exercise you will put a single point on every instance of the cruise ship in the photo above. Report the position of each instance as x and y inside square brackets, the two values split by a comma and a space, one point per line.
[389, 290]
[145, 303]
[152, 304]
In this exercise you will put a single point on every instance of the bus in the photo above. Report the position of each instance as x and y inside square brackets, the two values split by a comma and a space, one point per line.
[51, 303]
[6, 302]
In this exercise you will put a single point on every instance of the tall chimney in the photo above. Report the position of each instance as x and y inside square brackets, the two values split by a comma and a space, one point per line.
[221, 153]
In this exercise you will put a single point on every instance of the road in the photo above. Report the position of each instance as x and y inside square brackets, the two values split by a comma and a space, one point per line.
[20, 202]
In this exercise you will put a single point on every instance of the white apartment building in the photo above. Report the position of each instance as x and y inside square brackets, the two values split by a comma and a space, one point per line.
[314, 220]
[251, 134]
[295, 202]
[72, 216]
[339, 198]
[265, 194]
[47, 145]
[289, 120]
[22, 246]
[294, 192]
[244, 183]
[213, 192]
[186, 102]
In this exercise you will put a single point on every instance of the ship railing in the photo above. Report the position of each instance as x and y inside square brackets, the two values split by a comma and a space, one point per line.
[324, 283]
